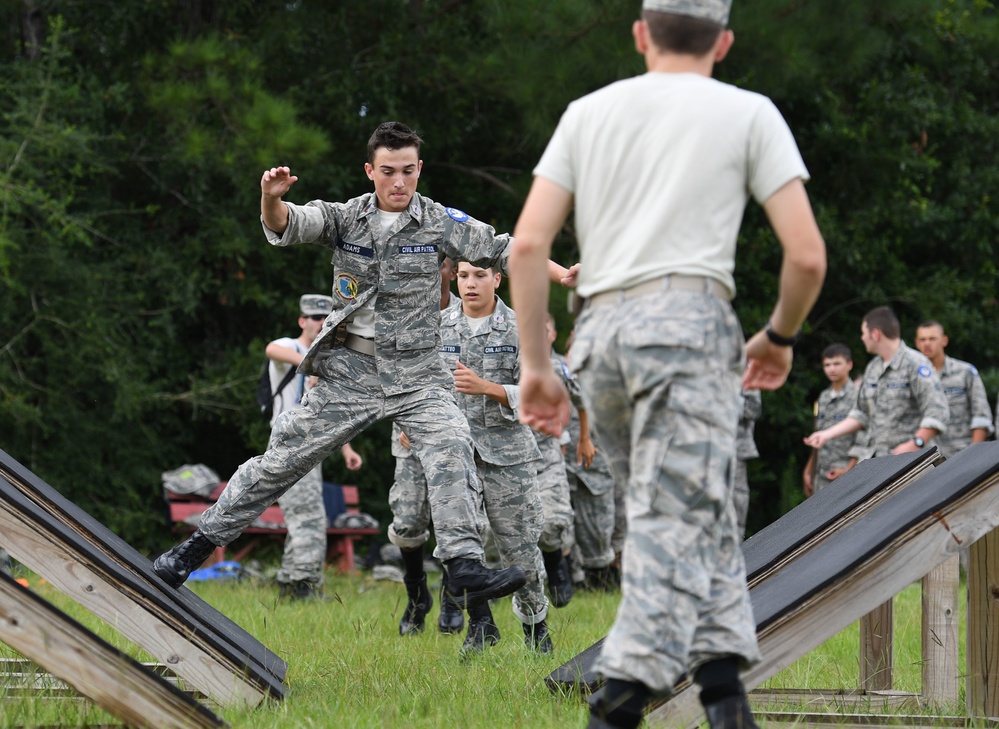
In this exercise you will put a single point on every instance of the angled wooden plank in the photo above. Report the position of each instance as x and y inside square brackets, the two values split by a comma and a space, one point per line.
[108, 677]
[875, 557]
[169, 640]
[107, 549]
[175, 626]
[803, 528]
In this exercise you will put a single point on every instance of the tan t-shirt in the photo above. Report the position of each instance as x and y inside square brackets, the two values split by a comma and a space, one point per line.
[661, 167]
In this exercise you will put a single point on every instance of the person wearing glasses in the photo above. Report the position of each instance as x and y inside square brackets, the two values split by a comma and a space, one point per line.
[301, 573]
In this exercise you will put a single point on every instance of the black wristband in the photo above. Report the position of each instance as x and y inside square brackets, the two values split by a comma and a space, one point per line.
[779, 339]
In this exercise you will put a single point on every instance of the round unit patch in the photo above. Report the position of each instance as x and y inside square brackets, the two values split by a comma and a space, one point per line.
[924, 371]
[346, 286]
[456, 214]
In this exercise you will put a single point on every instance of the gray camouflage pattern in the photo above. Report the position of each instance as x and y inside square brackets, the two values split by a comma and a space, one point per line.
[967, 402]
[831, 408]
[897, 399]
[494, 355]
[661, 377]
[513, 510]
[405, 380]
[411, 518]
[553, 485]
[305, 519]
[347, 399]
[592, 493]
[714, 10]
[404, 270]
[745, 450]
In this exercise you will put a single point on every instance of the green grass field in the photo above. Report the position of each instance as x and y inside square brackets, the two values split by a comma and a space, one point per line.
[348, 667]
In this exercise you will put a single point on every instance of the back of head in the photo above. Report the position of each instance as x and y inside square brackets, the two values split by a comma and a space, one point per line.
[688, 27]
[884, 320]
[392, 135]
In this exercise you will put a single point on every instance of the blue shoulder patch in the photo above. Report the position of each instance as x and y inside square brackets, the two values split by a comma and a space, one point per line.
[924, 371]
[458, 215]
[971, 368]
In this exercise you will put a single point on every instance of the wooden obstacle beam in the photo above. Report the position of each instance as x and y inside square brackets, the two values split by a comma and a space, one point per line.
[862, 564]
[112, 680]
[802, 529]
[82, 558]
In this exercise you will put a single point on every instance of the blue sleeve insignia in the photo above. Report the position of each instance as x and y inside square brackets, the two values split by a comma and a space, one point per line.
[456, 214]
[924, 371]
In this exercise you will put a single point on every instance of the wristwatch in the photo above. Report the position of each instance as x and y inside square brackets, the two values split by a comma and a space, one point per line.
[918, 441]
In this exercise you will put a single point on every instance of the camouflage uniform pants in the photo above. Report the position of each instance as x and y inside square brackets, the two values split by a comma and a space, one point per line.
[305, 519]
[594, 525]
[410, 527]
[661, 378]
[513, 509]
[347, 399]
[740, 497]
[556, 504]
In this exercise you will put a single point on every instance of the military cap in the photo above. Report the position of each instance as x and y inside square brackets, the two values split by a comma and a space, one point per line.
[714, 10]
[315, 304]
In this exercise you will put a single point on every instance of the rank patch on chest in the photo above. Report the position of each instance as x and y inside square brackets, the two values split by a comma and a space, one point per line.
[346, 286]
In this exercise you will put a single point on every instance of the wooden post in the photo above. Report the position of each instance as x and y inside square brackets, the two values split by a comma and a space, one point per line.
[876, 642]
[982, 692]
[940, 625]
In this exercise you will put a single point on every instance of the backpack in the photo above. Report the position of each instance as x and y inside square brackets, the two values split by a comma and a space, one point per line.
[265, 398]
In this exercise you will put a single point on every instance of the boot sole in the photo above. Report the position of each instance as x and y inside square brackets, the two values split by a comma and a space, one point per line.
[471, 598]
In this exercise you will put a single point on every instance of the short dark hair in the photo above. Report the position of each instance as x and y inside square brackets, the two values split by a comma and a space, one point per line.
[884, 320]
[837, 349]
[931, 323]
[392, 135]
[681, 33]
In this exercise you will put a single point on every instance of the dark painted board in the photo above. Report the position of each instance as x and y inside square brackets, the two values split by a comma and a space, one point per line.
[772, 544]
[873, 531]
[104, 550]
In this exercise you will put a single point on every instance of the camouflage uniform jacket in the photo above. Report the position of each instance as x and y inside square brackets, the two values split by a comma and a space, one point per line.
[494, 355]
[403, 268]
[968, 403]
[898, 398]
[832, 407]
[745, 438]
[550, 446]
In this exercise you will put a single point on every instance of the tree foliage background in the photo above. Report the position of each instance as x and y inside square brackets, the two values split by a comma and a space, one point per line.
[137, 292]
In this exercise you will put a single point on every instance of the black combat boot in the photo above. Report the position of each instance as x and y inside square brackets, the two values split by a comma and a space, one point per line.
[451, 619]
[618, 705]
[470, 583]
[732, 712]
[559, 579]
[537, 637]
[300, 590]
[482, 630]
[600, 579]
[419, 604]
[176, 565]
[723, 695]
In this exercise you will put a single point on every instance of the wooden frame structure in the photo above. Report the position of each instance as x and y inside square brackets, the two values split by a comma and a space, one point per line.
[844, 552]
[83, 559]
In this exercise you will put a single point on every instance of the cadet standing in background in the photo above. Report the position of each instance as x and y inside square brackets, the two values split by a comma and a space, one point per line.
[660, 168]
[480, 347]
[970, 415]
[826, 464]
[901, 403]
